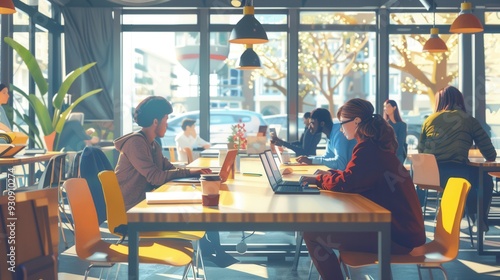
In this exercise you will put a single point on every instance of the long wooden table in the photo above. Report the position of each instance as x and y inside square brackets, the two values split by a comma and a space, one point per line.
[8, 162]
[248, 203]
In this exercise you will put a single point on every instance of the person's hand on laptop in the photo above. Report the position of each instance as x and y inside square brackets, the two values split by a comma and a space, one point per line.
[307, 180]
[303, 160]
[321, 172]
[200, 171]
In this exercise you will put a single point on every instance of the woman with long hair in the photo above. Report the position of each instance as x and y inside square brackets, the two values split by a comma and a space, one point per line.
[392, 116]
[376, 173]
[448, 134]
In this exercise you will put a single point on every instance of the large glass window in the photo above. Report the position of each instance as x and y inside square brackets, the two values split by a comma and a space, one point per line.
[492, 62]
[417, 75]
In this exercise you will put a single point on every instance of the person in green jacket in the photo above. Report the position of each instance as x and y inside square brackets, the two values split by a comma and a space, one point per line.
[448, 134]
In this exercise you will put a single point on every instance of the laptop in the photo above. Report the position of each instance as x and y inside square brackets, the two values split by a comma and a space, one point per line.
[256, 144]
[280, 157]
[276, 171]
[225, 170]
[284, 188]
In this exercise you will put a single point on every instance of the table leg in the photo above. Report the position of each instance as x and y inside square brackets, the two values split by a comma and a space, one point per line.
[384, 252]
[480, 212]
[133, 254]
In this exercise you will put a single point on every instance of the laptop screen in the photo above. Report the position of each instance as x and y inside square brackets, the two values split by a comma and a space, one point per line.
[268, 170]
[274, 167]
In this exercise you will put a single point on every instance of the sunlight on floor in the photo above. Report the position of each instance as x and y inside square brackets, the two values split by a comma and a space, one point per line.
[481, 268]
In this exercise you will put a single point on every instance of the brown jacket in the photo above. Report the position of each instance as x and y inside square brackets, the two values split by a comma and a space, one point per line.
[142, 167]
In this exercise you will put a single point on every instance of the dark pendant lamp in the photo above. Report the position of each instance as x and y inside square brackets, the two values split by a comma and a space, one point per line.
[248, 30]
[466, 22]
[435, 44]
[7, 7]
[249, 60]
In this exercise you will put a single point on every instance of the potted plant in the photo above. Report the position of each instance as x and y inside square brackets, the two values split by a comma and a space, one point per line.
[51, 126]
[237, 139]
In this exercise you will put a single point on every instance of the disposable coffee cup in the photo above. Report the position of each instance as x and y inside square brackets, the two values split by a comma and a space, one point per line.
[222, 156]
[285, 156]
[210, 199]
[210, 184]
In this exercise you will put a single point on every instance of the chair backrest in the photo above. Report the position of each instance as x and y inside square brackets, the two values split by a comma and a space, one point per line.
[75, 167]
[93, 161]
[115, 205]
[53, 174]
[84, 217]
[425, 171]
[447, 232]
[172, 152]
[189, 154]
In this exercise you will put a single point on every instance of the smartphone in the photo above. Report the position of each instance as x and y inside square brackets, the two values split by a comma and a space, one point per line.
[272, 130]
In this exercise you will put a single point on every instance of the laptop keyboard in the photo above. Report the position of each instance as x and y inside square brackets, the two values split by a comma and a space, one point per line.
[291, 188]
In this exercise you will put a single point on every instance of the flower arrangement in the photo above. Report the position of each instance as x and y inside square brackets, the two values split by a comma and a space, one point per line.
[237, 139]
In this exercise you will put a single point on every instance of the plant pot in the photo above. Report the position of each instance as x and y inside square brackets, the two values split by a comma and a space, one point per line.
[49, 141]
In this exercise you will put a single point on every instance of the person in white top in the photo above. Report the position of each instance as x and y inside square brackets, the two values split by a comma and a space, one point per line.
[188, 138]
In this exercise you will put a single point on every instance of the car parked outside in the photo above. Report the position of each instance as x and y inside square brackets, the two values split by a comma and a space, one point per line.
[221, 121]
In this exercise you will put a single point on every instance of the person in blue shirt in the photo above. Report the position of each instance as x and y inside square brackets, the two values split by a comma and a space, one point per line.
[338, 150]
[392, 116]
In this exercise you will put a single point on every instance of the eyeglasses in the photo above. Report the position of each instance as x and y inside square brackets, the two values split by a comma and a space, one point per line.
[344, 122]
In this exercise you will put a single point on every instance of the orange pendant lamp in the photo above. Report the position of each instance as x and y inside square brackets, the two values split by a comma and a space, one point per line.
[466, 22]
[435, 44]
[7, 7]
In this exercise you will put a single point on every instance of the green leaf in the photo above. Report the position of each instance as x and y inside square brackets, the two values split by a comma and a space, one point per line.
[62, 120]
[31, 63]
[42, 114]
[68, 81]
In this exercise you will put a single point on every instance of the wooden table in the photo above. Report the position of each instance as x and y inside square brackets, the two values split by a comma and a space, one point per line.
[8, 162]
[248, 203]
[483, 167]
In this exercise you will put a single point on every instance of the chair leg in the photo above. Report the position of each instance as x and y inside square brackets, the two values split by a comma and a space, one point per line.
[470, 228]
[298, 245]
[62, 230]
[425, 201]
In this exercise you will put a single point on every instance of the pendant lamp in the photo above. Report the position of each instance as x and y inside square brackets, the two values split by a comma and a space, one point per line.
[249, 60]
[466, 22]
[7, 7]
[248, 30]
[237, 3]
[435, 44]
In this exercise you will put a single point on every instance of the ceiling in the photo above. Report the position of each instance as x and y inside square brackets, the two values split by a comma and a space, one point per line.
[341, 4]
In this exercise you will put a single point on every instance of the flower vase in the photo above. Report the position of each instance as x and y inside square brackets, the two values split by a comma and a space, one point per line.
[237, 164]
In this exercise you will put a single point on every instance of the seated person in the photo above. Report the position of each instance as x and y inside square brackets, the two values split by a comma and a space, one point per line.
[4, 98]
[366, 174]
[338, 149]
[74, 137]
[307, 144]
[141, 166]
[188, 138]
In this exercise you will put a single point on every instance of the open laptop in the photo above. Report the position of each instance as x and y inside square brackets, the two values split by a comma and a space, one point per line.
[276, 171]
[225, 170]
[280, 157]
[256, 144]
[284, 188]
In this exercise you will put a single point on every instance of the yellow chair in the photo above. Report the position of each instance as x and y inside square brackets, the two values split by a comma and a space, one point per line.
[117, 216]
[90, 246]
[432, 255]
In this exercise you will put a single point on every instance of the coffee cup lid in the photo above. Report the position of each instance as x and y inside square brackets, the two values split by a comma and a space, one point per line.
[210, 177]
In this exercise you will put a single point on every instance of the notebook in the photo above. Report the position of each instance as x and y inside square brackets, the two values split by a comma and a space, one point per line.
[225, 170]
[10, 150]
[173, 197]
[284, 188]
[256, 144]
[276, 171]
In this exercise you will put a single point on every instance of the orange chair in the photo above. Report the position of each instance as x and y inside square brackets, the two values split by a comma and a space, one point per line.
[432, 255]
[90, 246]
[117, 216]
